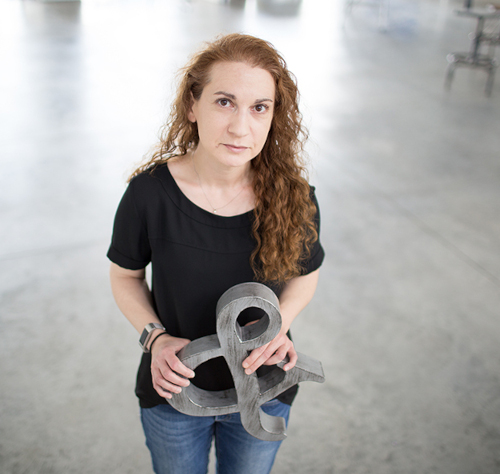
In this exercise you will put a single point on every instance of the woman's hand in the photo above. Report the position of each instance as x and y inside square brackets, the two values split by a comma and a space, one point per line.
[295, 295]
[272, 353]
[169, 374]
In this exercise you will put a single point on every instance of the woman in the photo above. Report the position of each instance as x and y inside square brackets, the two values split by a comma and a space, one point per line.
[223, 200]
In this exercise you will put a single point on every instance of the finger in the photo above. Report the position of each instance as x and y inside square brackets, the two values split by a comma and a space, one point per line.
[172, 377]
[278, 356]
[167, 386]
[253, 358]
[162, 391]
[267, 354]
[179, 368]
[167, 361]
[168, 354]
[252, 322]
[161, 369]
[171, 383]
[292, 354]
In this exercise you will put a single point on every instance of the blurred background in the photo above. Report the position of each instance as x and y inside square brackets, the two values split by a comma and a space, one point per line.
[406, 316]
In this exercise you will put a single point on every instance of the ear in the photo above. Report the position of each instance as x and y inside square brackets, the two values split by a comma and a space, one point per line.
[191, 115]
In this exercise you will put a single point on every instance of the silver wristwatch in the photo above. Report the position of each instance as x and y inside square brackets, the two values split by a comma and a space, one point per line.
[146, 335]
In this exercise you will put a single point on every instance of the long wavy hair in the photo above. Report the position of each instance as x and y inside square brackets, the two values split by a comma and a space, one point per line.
[284, 225]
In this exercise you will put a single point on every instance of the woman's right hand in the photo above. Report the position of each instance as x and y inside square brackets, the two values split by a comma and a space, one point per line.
[169, 374]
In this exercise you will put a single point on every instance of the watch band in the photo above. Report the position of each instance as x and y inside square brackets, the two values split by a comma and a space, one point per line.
[146, 335]
[154, 340]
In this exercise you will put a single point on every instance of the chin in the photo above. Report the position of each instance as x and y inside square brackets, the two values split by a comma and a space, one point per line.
[230, 159]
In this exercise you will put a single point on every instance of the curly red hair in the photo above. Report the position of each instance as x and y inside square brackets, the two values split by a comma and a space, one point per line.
[284, 225]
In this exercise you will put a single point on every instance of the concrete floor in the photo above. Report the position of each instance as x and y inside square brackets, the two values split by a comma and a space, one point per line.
[406, 316]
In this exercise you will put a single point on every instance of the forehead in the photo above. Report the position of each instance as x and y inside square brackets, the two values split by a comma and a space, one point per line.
[241, 80]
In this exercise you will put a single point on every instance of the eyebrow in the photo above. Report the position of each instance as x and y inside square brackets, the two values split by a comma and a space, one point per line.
[233, 97]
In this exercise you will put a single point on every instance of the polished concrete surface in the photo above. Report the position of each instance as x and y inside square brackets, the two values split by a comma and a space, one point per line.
[406, 316]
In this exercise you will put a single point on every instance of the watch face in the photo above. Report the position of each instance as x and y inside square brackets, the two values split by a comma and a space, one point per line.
[147, 332]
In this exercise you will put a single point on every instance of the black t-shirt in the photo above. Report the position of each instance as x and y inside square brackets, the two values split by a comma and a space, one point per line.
[196, 256]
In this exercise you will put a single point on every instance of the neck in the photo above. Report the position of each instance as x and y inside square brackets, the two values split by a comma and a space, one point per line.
[215, 175]
[226, 190]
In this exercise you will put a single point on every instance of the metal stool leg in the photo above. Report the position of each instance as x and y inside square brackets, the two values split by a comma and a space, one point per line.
[450, 71]
[489, 82]
[449, 76]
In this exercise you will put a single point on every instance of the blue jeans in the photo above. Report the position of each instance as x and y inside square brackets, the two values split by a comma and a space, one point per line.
[180, 444]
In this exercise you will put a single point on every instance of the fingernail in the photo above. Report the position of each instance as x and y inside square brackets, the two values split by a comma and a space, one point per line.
[248, 371]
[245, 365]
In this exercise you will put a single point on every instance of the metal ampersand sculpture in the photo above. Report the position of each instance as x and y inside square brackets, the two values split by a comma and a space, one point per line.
[234, 342]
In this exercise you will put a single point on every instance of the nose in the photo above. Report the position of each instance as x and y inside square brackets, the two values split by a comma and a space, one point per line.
[239, 124]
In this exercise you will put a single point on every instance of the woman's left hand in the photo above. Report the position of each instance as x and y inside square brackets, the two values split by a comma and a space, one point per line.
[272, 353]
[295, 295]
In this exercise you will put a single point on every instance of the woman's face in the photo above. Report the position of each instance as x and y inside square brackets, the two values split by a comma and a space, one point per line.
[234, 113]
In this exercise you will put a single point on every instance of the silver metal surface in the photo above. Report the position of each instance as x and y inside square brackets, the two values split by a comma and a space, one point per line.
[233, 342]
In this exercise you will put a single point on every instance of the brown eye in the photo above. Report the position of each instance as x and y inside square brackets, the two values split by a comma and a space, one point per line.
[224, 102]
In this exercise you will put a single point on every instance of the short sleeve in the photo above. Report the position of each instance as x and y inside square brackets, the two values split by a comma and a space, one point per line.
[130, 247]
[317, 254]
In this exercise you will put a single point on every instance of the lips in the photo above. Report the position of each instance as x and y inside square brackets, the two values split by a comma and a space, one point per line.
[235, 148]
